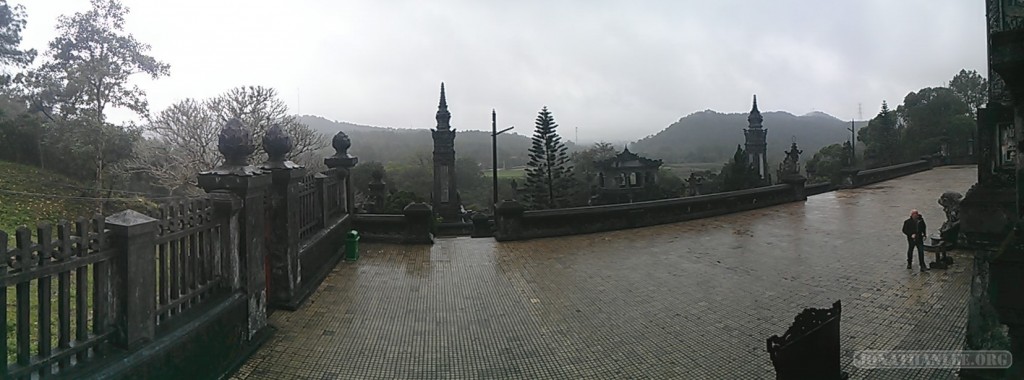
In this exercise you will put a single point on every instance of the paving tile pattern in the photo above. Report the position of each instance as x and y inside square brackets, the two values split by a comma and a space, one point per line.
[691, 300]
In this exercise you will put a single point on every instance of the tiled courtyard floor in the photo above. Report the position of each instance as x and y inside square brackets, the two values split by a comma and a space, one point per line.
[692, 300]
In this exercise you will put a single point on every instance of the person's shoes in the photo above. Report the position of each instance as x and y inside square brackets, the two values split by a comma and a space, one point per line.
[909, 266]
[924, 269]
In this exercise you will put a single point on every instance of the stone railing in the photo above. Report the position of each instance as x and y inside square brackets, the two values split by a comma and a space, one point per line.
[182, 293]
[515, 223]
[818, 188]
[414, 226]
[858, 178]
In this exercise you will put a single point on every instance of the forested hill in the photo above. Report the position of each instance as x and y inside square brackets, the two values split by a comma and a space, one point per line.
[393, 144]
[710, 136]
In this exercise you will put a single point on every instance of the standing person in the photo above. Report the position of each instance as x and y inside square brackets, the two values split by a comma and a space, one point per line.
[915, 230]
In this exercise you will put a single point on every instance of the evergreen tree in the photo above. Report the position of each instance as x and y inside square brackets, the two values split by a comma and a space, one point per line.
[549, 179]
[881, 138]
[739, 173]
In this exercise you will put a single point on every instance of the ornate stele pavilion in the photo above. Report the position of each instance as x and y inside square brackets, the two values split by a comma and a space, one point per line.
[627, 177]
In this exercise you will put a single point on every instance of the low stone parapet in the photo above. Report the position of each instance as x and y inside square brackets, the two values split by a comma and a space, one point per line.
[514, 223]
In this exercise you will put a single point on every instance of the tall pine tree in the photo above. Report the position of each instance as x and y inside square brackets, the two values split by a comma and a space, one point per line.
[881, 138]
[549, 180]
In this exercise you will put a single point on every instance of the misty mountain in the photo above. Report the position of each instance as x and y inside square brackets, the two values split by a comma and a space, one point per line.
[710, 136]
[390, 144]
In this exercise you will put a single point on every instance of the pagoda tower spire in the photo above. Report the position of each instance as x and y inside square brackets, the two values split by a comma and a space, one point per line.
[755, 118]
[756, 142]
[444, 195]
[443, 116]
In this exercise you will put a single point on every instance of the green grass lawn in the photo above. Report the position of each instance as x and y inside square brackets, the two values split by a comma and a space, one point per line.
[681, 170]
[17, 207]
[684, 170]
[519, 172]
[29, 196]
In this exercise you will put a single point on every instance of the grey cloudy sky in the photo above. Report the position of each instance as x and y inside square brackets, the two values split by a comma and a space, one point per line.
[617, 70]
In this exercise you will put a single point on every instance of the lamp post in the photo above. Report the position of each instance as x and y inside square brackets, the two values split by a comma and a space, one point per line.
[853, 143]
[494, 155]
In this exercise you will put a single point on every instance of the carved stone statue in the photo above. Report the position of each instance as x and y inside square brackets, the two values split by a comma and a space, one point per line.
[950, 202]
[693, 184]
[376, 188]
[791, 164]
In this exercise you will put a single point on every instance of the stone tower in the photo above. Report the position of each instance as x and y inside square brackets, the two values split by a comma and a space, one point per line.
[445, 197]
[756, 145]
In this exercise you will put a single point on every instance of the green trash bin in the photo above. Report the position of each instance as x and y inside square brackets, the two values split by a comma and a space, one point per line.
[352, 246]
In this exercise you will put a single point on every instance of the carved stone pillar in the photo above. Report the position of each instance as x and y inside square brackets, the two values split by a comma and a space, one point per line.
[283, 245]
[343, 163]
[238, 177]
[419, 223]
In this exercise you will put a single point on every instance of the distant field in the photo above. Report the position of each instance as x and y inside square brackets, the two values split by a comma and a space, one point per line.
[684, 170]
[519, 172]
[681, 170]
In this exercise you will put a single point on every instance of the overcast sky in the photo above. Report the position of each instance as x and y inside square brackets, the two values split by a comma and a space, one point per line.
[616, 70]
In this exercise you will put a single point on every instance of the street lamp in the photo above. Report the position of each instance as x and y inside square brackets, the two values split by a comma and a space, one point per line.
[853, 143]
[494, 155]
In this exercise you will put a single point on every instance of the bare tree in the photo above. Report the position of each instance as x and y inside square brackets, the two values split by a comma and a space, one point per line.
[260, 107]
[184, 143]
[184, 136]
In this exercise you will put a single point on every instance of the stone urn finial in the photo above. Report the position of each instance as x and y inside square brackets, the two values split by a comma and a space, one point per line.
[277, 143]
[235, 143]
[341, 159]
[341, 143]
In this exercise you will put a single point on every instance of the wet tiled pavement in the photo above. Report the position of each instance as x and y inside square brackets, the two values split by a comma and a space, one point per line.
[687, 300]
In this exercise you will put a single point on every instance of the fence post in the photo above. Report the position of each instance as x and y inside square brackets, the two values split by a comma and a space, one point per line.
[250, 184]
[134, 276]
[283, 245]
[343, 162]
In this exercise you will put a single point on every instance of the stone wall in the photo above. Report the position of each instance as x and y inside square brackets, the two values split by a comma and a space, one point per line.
[514, 223]
[858, 178]
[415, 226]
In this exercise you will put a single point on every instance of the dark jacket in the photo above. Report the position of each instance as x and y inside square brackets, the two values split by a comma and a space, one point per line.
[915, 226]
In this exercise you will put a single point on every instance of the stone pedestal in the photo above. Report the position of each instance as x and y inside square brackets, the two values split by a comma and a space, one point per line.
[419, 222]
[482, 226]
[798, 182]
[509, 220]
[849, 178]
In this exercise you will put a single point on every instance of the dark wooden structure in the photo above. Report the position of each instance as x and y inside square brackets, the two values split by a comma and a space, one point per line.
[810, 347]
